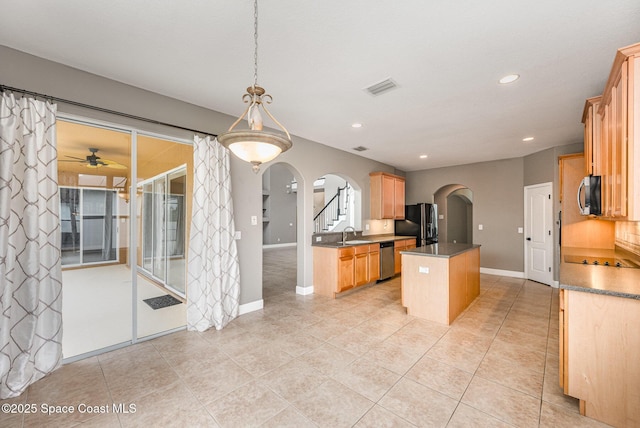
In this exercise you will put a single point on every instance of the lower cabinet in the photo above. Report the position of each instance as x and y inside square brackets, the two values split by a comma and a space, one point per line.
[339, 269]
[401, 245]
[599, 347]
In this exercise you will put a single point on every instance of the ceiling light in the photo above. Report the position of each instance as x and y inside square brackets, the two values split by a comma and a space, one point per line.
[423, 156]
[254, 145]
[509, 78]
[356, 125]
[527, 139]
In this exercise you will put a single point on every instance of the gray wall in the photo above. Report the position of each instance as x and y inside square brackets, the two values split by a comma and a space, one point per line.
[307, 160]
[543, 167]
[498, 204]
[280, 202]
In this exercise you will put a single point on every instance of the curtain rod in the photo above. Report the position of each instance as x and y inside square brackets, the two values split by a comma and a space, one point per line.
[4, 88]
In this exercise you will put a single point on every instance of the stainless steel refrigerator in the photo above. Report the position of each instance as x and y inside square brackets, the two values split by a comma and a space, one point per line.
[421, 221]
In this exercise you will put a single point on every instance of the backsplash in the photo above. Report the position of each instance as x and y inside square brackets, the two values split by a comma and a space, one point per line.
[628, 236]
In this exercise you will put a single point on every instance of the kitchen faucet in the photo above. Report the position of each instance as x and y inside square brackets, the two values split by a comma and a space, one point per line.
[344, 233]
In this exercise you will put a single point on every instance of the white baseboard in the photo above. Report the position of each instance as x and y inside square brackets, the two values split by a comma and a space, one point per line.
[304, 291]
[286, 244]
[251, 307]
[556, 284]
[510, 273]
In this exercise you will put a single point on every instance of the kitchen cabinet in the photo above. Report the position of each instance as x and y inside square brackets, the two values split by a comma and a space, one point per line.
[401, 245]
[592, 141]
[578, 230]
[599, 347]
[338, 269]
[612, 137]
[440, 287]
[387, 192]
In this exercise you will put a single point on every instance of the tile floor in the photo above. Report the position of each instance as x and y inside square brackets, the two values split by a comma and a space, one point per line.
[307, 361]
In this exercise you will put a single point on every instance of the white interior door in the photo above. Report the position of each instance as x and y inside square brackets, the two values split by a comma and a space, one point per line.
[539, 233]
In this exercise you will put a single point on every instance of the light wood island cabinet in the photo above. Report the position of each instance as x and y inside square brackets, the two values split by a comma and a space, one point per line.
[440, 281]
[338, 269]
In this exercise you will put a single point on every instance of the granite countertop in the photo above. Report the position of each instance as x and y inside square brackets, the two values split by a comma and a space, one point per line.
[371, 239]
[613, 281]
[441, 249]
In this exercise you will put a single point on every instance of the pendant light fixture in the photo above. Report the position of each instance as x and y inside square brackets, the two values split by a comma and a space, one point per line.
[255, 145]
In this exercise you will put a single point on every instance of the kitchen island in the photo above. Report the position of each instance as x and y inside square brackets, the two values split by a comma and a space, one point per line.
[439, 281]
[599, 334]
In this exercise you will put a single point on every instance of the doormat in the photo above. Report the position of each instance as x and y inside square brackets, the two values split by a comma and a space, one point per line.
[162, 301]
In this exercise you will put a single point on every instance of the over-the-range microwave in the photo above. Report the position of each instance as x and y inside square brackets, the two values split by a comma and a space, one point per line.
[592, 204]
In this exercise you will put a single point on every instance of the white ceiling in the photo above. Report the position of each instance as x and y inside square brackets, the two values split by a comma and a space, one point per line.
[316, 57]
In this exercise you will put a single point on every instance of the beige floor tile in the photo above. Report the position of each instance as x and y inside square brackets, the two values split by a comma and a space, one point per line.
[557, 417]
[440, 377]
[391, 356]
[333, 405]
[294, 379]
[249, 405]
[298, 343]
[503, 403]
[377, 329]
[355, 341]
[468, 417]
[418, 404]
[328, 359]
[289, 418]
[379, 417]
[262, 359]
[173, 406]
[367, 378]
[216, 381]
[512, 376]
[507, 353]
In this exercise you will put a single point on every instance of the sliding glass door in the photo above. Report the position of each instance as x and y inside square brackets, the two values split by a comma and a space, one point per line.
[163, 228]
[124, 201]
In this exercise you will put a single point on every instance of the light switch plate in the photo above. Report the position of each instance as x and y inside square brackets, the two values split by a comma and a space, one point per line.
[520, 230]
[254, 220]
[480, 227]
[237, 235]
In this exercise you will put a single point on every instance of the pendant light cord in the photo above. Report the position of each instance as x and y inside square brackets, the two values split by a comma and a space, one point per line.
[255, 39]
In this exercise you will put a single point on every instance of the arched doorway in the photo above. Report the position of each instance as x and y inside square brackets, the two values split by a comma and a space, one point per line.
[455, 208]
[282, 238]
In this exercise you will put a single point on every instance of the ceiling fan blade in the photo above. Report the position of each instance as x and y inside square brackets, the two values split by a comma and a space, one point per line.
[73, 157]
[112, 164]
[69, 160]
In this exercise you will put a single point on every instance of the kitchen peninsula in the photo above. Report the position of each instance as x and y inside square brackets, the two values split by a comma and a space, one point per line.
[439, 281]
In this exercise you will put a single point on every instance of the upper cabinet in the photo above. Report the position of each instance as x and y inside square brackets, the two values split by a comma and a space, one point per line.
[612, 137]
[387, 196]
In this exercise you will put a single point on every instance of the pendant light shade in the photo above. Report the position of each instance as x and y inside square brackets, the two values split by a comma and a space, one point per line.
[254, 145]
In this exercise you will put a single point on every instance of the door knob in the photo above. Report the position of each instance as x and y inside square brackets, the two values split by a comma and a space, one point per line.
[528, 239]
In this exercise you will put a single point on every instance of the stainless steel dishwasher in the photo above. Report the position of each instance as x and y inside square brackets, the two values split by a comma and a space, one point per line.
[387, 266]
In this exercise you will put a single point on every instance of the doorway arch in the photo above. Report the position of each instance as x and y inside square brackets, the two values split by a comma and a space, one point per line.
[455, 213]
[293, 184]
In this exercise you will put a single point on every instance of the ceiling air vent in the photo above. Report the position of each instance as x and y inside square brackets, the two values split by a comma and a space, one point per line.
[381, 87]
[360, 148]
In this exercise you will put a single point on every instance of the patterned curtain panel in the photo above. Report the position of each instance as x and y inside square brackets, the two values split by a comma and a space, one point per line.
[30, 264]
[213, 272]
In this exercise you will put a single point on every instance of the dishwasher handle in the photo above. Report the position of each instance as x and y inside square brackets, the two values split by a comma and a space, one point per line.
[386, 244]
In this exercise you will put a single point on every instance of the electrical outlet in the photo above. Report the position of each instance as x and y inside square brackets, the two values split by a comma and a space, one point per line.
[423, 269]
[237, 235]
[318, 238]
[254, 220]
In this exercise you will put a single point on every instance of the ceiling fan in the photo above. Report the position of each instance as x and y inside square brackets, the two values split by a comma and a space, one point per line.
[94, 161]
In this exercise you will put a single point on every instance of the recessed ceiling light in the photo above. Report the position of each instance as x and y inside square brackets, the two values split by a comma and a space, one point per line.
[423, 156]
[356, 125]
[527, 139]
[509, 78]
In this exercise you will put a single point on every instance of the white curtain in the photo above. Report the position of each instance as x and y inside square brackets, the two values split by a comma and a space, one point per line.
[213, 272]
[30, 265]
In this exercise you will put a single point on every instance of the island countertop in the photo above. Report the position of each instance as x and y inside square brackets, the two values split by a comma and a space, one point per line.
[441, 249]
[609, 280]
